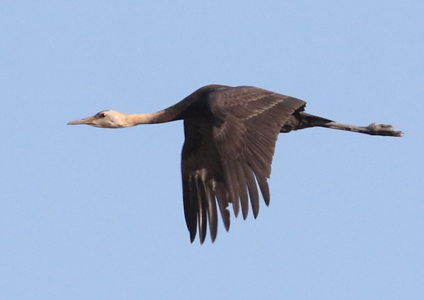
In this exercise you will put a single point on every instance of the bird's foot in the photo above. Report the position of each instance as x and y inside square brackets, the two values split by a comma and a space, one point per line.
[382, 129]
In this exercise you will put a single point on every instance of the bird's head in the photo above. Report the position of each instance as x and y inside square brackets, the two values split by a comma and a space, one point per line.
[104, 119]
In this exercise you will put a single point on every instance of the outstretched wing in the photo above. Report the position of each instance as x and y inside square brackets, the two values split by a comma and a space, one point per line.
[227, 152]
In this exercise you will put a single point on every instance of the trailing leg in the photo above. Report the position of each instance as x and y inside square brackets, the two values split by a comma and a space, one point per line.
[301, 120]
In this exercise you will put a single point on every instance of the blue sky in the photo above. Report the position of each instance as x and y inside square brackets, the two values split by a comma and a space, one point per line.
[89, 213]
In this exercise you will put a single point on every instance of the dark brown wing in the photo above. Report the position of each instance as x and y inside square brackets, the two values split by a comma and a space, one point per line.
[203, 180]
[226, 154]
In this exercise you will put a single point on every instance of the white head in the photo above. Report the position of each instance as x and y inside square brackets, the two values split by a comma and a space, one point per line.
[104, 119]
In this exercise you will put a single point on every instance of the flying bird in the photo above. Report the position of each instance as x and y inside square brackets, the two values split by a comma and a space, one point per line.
[230, 136]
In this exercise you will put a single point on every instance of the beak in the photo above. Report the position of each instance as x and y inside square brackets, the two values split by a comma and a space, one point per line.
[87, 121]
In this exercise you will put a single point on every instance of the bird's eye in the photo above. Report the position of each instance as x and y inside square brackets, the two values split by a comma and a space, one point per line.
[100, 115]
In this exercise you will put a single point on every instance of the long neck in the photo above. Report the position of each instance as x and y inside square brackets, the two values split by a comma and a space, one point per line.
[172, 113]
[151, 118]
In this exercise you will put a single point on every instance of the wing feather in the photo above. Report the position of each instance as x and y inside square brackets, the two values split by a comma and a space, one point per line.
[190, 206]
[212, 213]
[253, 190]
[242, 183]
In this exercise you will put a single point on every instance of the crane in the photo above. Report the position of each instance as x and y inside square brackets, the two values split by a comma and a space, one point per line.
[230, 137]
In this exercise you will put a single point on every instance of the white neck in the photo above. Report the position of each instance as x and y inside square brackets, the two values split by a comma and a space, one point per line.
[137, 119]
